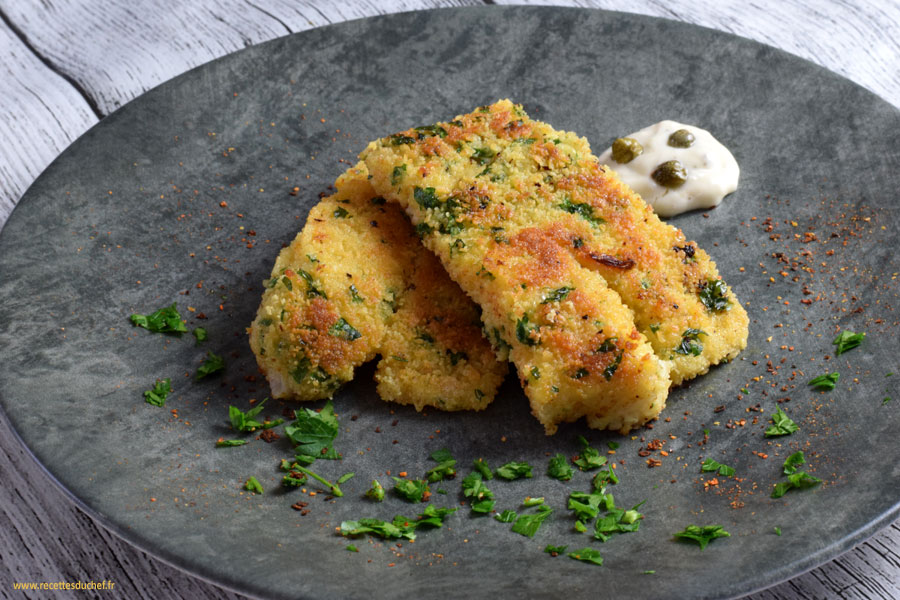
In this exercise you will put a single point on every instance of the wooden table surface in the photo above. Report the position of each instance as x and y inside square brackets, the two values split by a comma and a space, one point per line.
[65, 64]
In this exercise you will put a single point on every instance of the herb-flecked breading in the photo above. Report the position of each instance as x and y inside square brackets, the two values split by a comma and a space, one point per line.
[356, 283]
[572, 269]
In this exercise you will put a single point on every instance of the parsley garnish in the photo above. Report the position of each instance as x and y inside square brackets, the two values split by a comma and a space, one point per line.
[230, 443]
[690, 342]
[611, 368]
[345, 478]
[252, 485]
[352, 548]
[314, 432]
[445, 468]
[354, 294]
[587, 555]
[799, 480]
[589, 458]
[481, 498]
[524, 331]
[793, 461]
[559, 468]
[245, 421]
[781, 424]
[714, 295]
[375, 492]
[483, 156]
[824, 382]
[397, 174]
[213, 364]
[482, 467]
[514, 470]
[401, 527]
[293, 479]
[555, 550]
[529, 501]
[157, 396]
[200, 334]
[331, 486]
[529, 524]
[585, 211]
[344, 330]
[507, 516]
[847, 340]
[617, 520]
[164, 320]
[702, 535]
[886, 400]
[430, 130]
[341, 213]
[778, 531]
[796, 479]
[612, 445]
[411, 490]
[711, 466]
[426, 197]
[557, 295]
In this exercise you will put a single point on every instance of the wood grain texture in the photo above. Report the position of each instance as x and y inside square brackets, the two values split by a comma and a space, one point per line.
[41, 115]
[63, 62]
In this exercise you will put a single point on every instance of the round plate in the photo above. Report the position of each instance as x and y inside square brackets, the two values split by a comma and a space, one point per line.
[184, 196]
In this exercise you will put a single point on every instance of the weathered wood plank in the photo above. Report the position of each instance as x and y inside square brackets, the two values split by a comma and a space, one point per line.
[40, 114]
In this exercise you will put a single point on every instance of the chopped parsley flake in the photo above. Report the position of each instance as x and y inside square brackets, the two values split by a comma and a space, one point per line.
[482, 467]
[341, 213]
[507, 516]
[345, 477]
[480, 497]
[690, 342]
[557, 295]
[157, 396]
[200, 334]
[587, 555]
[213, 364]
[847, 340]
[711, 466]
[559, 468]
[514, 470]
[824, 382]
[354, 294]
[583, 210]
[617, 520]
[230, 443]
[781, 424]
[799, 480]
[589, 458]
[401, 527]
[344, 330]
[252, 485]
[411, 490]
[375, 491]
[529, 524]
[702, 535]
[245, 421]
[778, 531]
[714, 295]
[164, 320]
[555, 550]
[314, 432]
[352, 548]
[397, 174]
[529, 501]
[793, 461]
[527, 333]
[333, 487]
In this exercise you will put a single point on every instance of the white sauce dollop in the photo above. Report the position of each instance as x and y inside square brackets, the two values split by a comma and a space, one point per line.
[712, 172]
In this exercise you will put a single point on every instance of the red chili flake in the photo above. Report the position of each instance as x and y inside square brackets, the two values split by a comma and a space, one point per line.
[654, 462]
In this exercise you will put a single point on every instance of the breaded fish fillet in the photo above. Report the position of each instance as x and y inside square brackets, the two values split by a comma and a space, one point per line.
[597, 297]
[356, 282]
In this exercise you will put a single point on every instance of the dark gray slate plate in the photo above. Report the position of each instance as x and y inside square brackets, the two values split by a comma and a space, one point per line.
[190, 185]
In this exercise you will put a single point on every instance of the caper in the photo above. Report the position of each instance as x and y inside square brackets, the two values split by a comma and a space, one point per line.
[670, 174]
[625, 150]
[681, 139]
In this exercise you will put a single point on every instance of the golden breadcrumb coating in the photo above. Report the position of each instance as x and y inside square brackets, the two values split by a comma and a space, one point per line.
[356, 282]
[603, 305]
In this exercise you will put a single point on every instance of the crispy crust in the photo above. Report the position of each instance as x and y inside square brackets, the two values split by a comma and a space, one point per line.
[356, 283]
